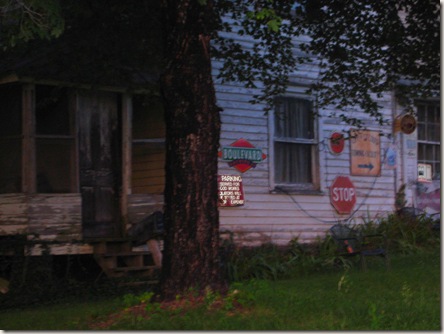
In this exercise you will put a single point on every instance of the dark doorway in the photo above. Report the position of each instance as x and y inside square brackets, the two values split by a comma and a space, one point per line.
[99, 162]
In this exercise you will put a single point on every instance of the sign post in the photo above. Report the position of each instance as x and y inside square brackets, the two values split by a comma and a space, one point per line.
[343, 195]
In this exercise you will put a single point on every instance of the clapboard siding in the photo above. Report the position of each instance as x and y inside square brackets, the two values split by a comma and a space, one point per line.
[148, 169]
[13, 214]
[142, 205]
[270, 216]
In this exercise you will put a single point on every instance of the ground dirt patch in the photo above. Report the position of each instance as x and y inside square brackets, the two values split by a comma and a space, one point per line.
[179, 307]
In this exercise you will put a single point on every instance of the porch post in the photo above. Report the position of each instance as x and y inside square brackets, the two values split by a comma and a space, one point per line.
[28, 158]
[126, 154]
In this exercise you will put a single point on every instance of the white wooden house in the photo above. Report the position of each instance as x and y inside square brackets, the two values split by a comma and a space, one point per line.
[80, 164]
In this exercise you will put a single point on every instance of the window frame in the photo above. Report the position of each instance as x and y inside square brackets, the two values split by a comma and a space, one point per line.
[16, 136]
[312, 187]
[30, 137]
[435, 145]
[69, 138]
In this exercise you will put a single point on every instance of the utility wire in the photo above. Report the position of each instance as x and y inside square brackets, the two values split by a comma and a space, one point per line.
[321, 147]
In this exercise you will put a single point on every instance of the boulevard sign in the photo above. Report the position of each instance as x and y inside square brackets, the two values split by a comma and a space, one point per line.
[237, 153]
[242, 155]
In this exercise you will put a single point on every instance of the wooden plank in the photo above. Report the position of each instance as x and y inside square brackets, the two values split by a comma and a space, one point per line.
[61, 249]
[142, 205]
[13, 213]
[56, 216]
[135, 199]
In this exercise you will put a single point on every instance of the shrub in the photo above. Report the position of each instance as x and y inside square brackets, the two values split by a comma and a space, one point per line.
[404, 235]
[409, 234]
[273, 262]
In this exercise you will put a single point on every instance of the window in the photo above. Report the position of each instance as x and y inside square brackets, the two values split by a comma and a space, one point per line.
[148, 147]
[36, 140]
[54, 141]
[429, 135]
[294, 144]
[10, 138]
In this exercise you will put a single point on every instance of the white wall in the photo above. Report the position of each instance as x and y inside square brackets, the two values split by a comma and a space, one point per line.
[268, 216]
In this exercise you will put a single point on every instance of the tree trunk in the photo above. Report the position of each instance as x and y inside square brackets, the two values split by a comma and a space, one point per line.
[191, 258]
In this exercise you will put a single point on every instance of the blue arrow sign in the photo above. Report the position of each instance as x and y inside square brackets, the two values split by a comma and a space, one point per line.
[369, 166]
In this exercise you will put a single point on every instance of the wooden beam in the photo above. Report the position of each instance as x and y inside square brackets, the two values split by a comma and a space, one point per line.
[126, 153]
[28, 123]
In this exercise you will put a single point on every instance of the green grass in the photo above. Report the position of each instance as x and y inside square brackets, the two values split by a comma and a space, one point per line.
[405, 298]
[57, 317]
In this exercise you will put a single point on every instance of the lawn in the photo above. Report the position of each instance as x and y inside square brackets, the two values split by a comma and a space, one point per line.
[408, 297]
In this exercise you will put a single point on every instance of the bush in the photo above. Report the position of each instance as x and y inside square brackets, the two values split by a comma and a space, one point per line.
[409, 234]
[404, 236]
[273, 262]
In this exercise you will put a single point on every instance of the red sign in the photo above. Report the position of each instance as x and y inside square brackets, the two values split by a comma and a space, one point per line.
[343, 194]
[337, 142]
[231, 192]
[242, 155]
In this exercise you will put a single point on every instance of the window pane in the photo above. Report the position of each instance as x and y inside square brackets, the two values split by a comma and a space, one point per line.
[436, 171]
[429, 152]
[54, 165]
[10, 165]
[304, 122]
[421, 113]
[437, 114]
[430, 117]
[434, 132]
[421, 152]
[292, 163]
[294, 119]
[10, 110]
[52, 111]
[421, 131]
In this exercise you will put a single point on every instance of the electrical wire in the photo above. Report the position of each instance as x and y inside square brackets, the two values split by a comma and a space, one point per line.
[322, 147]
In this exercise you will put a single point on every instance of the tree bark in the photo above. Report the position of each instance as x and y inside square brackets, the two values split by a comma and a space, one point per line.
[191, 248]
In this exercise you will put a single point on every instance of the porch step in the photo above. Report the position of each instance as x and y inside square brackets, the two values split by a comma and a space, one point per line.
[117, 259]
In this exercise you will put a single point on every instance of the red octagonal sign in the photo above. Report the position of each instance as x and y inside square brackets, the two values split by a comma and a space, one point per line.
[343, 194]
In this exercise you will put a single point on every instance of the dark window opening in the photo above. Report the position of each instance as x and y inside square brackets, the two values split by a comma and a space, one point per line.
[10, 138]
[55, 157]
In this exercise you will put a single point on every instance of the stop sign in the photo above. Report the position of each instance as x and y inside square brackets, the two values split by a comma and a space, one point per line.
[343, 194]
